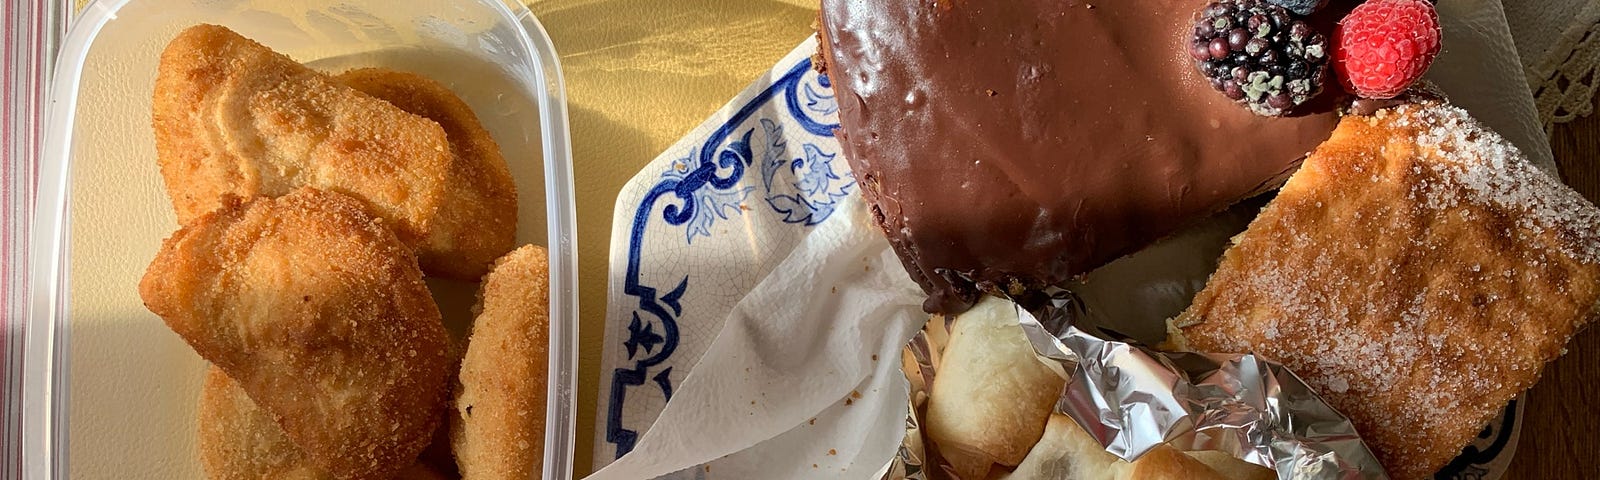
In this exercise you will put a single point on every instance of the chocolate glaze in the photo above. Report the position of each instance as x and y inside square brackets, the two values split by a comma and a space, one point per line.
[1014, 145]
[1422, 92]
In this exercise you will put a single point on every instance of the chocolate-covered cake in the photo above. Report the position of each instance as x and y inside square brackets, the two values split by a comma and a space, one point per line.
[1010, 146]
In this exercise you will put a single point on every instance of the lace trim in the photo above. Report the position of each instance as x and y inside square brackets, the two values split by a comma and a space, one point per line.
[1569, 74]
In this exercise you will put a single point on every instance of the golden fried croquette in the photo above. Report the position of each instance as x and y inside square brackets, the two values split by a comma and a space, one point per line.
[498, 426]
[239, 440]
[320, 314]
[477, 222]
[232, 117]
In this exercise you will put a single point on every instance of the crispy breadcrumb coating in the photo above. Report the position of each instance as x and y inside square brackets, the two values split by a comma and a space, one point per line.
[320, 314]
[498, 425]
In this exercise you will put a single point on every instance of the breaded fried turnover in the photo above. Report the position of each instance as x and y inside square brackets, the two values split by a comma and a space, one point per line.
[320, 314]
[477, 221]
[498, 423]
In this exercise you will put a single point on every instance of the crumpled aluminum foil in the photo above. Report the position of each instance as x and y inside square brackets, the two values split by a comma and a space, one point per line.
[911, 463]
[1131, 399]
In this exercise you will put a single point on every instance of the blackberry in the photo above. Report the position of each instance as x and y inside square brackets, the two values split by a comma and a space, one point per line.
[1300, 7]
[1259, 55]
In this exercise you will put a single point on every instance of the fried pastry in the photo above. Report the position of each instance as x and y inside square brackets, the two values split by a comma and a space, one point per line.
[240, 441]
[498, 427]
[477, 222]
[992, 395]
[321, 315]
[1417, 271]
[1230, 467]
[234, 118]
[1066, 452]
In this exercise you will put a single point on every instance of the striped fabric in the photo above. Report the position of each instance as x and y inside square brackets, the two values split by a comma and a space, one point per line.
[33, 29]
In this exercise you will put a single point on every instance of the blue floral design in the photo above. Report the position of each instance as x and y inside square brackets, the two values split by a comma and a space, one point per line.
[709, 204]
[773, 158]
[816, 188]
[1469, 465]
[704, 187]
[821, 104]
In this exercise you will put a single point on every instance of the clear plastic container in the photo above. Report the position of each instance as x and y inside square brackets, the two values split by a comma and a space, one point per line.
[108, 393]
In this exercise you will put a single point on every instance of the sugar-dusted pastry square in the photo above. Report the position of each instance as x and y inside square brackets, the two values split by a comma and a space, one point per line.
[1418, 271]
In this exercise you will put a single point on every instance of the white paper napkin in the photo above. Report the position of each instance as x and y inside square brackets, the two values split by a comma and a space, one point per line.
[806, 369]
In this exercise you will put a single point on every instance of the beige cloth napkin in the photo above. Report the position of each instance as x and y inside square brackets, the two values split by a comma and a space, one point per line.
[1479, 70]
[1559, 42]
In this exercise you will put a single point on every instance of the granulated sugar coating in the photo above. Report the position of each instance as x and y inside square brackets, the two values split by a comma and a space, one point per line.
[1418, 271]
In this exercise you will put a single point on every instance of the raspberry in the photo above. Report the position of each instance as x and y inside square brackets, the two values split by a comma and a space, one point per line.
[1384, 46]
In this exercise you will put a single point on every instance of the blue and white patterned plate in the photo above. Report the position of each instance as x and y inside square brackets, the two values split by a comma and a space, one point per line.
[705, 221]
[700, 225]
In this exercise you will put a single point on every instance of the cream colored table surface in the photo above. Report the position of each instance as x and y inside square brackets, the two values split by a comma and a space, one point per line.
[640, 74]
